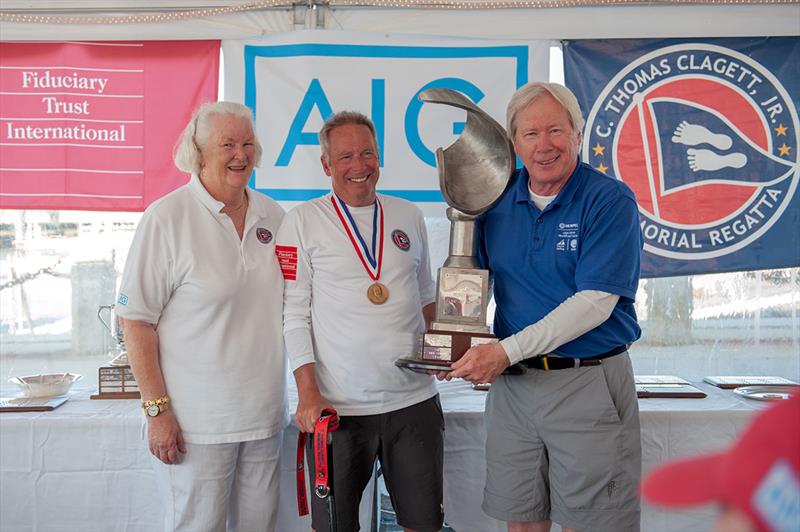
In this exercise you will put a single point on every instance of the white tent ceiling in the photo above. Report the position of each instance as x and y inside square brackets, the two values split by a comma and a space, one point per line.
[233, 19]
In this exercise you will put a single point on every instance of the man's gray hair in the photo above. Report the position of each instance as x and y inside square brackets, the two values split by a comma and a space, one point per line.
[530, 92]
[343, 118]
[196, 134]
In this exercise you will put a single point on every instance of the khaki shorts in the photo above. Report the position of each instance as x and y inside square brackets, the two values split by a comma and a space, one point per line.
[565, 445]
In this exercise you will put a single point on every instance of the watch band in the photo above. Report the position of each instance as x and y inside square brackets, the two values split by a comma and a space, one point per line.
[153, 407]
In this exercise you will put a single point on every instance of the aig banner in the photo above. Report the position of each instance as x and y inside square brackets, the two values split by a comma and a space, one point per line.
[706, 135]
[293, 82]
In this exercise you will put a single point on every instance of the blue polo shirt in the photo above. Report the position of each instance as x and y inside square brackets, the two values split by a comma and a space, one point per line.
[588, 238]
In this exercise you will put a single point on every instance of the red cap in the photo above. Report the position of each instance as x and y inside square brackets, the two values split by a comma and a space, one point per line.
[759, 474]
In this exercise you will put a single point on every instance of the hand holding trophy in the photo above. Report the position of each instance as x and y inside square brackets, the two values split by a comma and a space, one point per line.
[473, 173]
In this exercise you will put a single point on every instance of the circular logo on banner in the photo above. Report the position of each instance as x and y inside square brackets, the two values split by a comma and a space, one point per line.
[264, 235]
[707, 139]
[401, 240]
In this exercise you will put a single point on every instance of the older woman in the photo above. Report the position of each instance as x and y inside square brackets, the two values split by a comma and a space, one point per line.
[201, 300]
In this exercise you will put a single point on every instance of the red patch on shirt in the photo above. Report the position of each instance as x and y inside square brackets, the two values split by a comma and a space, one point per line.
[287, 259]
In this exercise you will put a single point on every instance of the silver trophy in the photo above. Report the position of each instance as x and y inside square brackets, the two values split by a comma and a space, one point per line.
[116, 380]
[473, 173]
[119, 356]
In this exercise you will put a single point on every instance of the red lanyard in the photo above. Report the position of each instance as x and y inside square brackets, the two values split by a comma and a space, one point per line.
[328, 421]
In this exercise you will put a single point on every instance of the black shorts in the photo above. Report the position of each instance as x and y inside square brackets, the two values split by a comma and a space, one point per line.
[410, 446]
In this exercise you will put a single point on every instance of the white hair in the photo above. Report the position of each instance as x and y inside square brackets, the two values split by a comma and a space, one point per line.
[529, 92]
[197, 132]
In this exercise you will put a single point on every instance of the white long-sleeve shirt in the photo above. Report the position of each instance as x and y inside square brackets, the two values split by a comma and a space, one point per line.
[328, 319]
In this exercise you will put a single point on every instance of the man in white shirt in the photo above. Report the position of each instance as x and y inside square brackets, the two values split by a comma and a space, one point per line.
[358, 292]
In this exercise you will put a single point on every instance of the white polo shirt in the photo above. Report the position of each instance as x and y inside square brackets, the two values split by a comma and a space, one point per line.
[217, 302]
[328, 319]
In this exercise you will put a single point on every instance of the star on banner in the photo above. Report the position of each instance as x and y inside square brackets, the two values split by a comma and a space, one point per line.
[784, 150]
[598, 149]
[602, 168]
[780, 130]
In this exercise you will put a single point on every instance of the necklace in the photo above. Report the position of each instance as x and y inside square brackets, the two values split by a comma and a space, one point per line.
[231, 211]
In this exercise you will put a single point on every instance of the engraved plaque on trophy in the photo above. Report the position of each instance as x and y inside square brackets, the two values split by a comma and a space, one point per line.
[473, 173]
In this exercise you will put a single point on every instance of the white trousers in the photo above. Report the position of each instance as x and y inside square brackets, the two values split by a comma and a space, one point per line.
[218, 487]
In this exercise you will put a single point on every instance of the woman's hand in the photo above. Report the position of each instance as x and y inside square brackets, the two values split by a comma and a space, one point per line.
[165, 438]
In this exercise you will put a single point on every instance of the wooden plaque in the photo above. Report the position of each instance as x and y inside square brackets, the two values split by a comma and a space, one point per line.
[116, 382]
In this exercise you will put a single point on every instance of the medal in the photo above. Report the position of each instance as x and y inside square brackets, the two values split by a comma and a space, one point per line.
[377, 293]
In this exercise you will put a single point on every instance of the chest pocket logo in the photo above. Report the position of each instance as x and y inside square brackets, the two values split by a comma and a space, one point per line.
[401, 240]
[567, 237]
[264, 235]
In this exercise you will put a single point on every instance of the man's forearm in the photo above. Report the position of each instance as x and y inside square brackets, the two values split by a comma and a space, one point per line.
[306, 379]
[575, 316]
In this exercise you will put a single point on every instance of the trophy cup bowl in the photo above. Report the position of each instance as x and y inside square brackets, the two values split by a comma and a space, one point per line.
[119, 356]
[473, 173]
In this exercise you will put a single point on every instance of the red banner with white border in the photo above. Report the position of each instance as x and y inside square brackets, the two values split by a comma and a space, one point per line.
[92, 125]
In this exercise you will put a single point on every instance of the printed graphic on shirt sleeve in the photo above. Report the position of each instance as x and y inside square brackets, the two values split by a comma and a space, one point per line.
[287, 259]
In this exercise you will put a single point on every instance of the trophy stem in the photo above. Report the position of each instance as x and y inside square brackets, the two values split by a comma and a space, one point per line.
[462, 240]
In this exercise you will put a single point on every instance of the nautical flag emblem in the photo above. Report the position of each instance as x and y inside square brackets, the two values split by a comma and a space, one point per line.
[264, 235]
[401, 240]
[707, 138]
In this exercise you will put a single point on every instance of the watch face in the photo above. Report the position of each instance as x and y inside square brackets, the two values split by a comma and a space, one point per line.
[152, 410]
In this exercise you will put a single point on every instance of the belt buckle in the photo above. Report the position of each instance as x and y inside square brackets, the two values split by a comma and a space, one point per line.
[544, 363]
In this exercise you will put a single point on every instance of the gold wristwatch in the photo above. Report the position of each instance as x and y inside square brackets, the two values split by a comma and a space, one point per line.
[154, 407]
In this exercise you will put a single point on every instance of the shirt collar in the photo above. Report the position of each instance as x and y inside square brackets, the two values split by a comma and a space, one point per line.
[566, 194]
[200, 192]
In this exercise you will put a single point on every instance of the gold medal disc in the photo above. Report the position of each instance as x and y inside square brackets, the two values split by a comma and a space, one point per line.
[377, 293]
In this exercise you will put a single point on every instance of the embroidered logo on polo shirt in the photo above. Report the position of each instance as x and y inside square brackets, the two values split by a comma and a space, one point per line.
[567, 237]
[123, 299]
[401, 240]
[287, 259]
[264, 235]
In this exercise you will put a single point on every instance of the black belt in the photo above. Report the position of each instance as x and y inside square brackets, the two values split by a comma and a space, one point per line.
[548, 362]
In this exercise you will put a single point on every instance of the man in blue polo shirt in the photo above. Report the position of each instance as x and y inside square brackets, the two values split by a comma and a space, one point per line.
[563, 246]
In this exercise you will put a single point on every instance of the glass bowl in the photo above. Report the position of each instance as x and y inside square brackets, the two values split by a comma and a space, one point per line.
[45, 385]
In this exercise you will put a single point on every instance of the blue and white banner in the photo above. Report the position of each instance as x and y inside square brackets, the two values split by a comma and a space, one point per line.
[705, 132]
[294, 81]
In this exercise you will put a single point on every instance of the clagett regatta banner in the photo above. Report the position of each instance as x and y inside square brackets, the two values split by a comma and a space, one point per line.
[293, 82]
[92, 125]
[705, 132]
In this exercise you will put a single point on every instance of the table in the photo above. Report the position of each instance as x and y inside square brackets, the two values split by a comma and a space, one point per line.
[85, 467]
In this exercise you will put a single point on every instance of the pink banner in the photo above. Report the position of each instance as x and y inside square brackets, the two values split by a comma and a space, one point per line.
[92, 125]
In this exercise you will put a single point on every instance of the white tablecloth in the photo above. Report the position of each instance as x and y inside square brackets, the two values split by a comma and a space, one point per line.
[84, 466]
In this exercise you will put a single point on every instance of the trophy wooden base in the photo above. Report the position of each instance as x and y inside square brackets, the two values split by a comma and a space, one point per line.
[440, 349]
[116, 382]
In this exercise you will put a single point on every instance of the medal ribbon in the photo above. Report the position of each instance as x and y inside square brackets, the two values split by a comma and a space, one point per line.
[351, 228]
